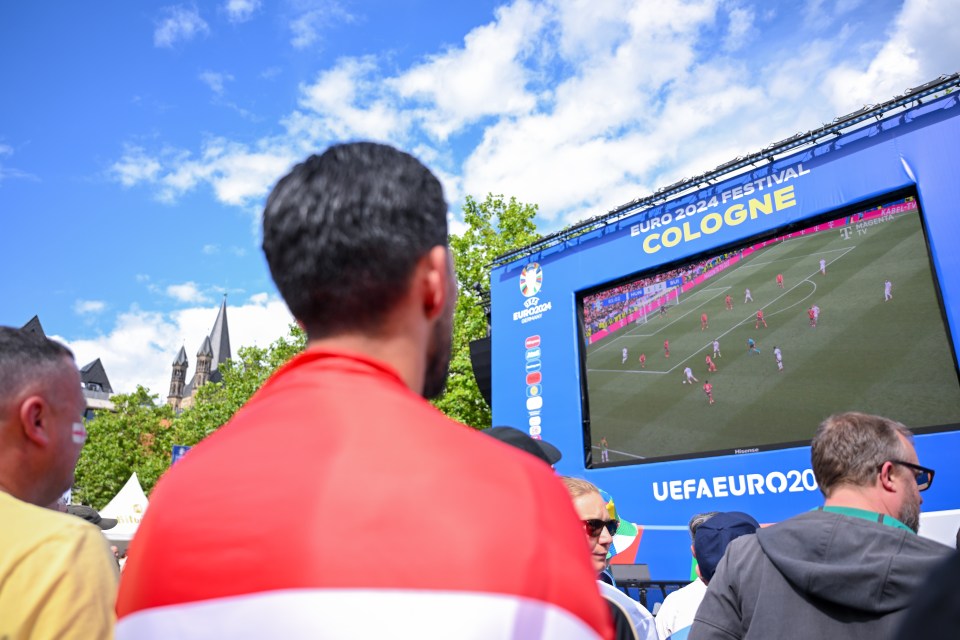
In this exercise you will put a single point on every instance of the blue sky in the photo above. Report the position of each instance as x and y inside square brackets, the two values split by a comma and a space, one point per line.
[138, 140]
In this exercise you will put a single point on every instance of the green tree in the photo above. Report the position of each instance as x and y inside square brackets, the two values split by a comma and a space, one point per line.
[216, 403]
[135, 437]
[494, 227]
[139, 433]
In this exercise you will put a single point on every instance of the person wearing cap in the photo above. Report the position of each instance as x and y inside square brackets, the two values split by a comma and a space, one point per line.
[631, 620]
[848, 569]
[395, 520]
[678, 607]
[710, 539]
[92, 516]
[538, 448]
[57, 579]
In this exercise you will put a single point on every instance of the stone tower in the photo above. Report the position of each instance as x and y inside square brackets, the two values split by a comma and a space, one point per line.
[204, 358]
[214, 351]
[178, 379]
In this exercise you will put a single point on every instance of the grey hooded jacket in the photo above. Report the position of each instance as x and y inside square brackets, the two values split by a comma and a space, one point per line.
[818, 575]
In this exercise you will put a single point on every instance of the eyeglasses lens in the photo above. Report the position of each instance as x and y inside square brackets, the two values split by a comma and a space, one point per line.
[594, 527]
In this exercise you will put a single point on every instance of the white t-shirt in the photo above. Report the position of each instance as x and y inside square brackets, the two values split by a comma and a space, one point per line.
[679, 607]
[777, 353]
[641, 619]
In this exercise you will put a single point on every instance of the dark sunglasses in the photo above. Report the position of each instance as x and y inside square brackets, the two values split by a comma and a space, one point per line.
[923, 475]
[594, 527]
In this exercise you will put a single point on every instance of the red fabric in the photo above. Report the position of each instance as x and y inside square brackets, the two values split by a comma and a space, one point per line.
[336, 475]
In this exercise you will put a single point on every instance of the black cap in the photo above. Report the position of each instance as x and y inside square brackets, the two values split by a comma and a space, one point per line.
[516, 438]
[91, 515]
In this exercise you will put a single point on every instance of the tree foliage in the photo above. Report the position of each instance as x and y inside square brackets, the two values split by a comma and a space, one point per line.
[139, 433]
[494, 226]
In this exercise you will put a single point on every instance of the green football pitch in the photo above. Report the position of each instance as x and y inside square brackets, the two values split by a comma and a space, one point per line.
[886, 357]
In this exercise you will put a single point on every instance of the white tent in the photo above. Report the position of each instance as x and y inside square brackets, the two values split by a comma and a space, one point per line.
[128, 507]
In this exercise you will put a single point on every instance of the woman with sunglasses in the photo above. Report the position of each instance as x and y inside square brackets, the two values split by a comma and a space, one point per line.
[630, 618]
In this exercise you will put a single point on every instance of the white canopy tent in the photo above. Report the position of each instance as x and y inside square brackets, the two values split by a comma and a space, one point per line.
[128, 507]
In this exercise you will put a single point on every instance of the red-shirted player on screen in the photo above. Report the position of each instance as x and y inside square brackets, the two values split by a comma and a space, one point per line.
[813, 316]
[780, 280]
[703, 321]
[643, 361]
[760, 320]
[666, 348]
[729, 302]
[708, 389]
[710, 365]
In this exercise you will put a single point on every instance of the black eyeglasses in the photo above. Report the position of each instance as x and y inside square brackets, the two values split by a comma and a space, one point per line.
[594, 527]
[923, 475]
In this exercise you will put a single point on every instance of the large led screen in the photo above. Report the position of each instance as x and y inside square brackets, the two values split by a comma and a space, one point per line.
[744, 350]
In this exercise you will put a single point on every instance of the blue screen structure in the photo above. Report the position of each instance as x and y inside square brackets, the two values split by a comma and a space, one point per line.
[861, 230]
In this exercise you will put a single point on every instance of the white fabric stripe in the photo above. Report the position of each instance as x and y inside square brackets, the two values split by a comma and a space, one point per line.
[358, 613]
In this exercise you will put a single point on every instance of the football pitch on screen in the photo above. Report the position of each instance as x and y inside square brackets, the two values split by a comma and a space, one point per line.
[867, 354]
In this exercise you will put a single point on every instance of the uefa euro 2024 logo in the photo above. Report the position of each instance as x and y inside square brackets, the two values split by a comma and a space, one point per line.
[531, 279]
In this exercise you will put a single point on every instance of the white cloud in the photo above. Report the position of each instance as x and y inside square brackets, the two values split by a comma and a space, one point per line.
[211, 249]
[487, 76]
[270, 73]
[307, 26]
[740, 28]
[239, 174]
[241, 10]
[142, 345]
[178, 23]
[186, 292]
[7, 173]
[84, 307]
[345, 102]
[134, 167]
[923, 43]
[215, 80]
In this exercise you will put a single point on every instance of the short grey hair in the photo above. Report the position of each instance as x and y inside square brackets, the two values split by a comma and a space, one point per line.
[849, 449]
[26, 358]
[698, 520]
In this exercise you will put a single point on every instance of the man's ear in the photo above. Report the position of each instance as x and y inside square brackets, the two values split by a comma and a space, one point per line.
[886, 477]
[437, 272]
[34, 413]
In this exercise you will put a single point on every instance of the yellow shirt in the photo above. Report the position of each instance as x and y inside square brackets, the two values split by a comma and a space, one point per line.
[58, 578]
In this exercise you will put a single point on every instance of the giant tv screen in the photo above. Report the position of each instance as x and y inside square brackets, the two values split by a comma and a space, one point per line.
[750, 348]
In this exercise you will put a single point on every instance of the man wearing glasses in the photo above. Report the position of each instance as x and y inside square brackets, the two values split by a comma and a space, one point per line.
[848, 569]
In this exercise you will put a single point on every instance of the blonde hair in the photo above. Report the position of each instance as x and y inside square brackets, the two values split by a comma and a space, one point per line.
[579, 487]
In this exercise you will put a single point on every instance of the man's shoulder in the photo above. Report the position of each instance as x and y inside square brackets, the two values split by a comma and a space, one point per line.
[33, 525]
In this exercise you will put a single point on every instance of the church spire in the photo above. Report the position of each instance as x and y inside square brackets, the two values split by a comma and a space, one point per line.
[220, 337]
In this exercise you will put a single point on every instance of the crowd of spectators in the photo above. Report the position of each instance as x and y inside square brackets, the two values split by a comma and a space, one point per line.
[598, 316]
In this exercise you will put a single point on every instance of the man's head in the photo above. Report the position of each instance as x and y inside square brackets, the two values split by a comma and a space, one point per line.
[345, 234]
[41, 416]
[714, 534]
[869, 453]
[698, 520]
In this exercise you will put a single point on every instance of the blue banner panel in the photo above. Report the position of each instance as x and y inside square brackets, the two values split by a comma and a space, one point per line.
[886, 194]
